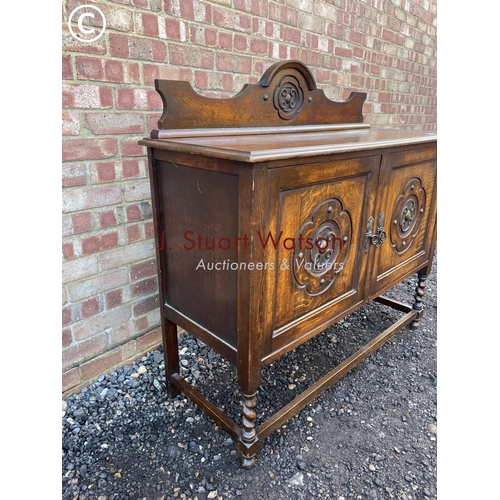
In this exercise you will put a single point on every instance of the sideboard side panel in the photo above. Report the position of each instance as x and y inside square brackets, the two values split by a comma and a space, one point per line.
[200, 210]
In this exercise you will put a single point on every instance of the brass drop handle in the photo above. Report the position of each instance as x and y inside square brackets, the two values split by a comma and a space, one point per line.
[377, 238]
[381, 234]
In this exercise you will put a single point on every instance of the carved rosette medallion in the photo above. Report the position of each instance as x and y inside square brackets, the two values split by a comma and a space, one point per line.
[288, 97]
[407, 215]
[322, 247]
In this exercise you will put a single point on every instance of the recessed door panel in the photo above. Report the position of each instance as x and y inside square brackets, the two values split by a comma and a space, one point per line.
[318, 242]
[408, 209]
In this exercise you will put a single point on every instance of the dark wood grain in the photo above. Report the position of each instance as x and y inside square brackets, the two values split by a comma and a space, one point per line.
[409, 179]
[267, 172]
[169, 329]
[262, 104]
[201, 204]
[395, 304]
[235, 131]
[418, 305]
[300, 191]
[254, 148]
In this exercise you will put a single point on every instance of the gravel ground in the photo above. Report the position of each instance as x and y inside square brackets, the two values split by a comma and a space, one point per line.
[370, 436]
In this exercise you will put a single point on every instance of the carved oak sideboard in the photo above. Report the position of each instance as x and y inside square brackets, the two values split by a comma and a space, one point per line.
[278, 212]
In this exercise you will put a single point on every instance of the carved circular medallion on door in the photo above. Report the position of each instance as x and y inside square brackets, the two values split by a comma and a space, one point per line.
[322, 246]
[407, 215]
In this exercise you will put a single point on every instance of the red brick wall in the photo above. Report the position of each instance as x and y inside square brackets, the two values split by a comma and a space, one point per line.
[110, 306]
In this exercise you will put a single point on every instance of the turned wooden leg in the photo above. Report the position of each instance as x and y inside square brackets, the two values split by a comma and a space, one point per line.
[418, 305]
[171, 354]
[248, 443]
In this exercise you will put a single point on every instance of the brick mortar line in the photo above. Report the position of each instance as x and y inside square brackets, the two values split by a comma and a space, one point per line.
[215, 50]
[89, 210]
[103, 252]
[98, 230]
[103, 231]
[91, 185]
[120, 287]
[132, 302]
[84, 383]
[88, 163]
[108, 349]
[100, 271]
[147, 112]
[134, 9]
[142, 62]
[75, 343]
[193, 23]
[347, 27]
[104, 160]
[152, 112]
[89, 135]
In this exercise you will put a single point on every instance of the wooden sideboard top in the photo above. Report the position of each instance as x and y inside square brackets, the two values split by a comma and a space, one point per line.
[284, 115]
[288, 143]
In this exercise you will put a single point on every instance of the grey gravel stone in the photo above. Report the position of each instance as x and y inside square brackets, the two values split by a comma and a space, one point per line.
[80, 414]
[136, 442]
[174, 451]
[158, 357]
[302, 465]
[297, 479]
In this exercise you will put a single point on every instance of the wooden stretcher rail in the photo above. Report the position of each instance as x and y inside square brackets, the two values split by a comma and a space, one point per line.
[216, 414]
[292, 408]
[297, 404]
[395, 304]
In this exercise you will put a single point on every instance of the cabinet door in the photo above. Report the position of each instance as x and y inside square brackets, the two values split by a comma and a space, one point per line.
[407, 212]
[318, 225]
